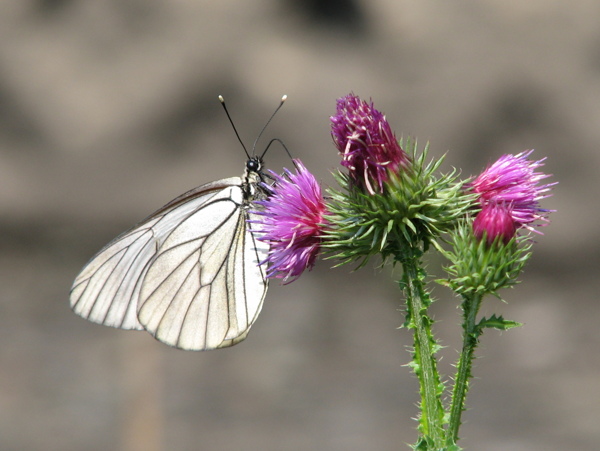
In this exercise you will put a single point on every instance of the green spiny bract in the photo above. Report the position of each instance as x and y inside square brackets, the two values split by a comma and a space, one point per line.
[479, 268]
[415, 207]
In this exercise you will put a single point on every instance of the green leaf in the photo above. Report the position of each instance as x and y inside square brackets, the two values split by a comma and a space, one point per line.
[497, 322]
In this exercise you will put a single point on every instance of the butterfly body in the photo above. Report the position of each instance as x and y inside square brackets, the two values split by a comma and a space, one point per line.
[189, 273]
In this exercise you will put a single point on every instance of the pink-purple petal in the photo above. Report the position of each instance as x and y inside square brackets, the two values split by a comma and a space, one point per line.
[493, 221]
[291, 223]
[511, 186]
[366, 142]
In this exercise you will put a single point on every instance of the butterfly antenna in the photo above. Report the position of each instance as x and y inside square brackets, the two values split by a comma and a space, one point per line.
[282, 145]
[266, 125]
[222, 100]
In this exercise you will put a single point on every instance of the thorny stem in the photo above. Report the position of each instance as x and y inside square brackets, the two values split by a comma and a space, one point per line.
[471, 335]
[425, 367]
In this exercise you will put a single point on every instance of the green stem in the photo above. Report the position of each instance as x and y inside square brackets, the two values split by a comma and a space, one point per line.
[432, 413]
[471, 333]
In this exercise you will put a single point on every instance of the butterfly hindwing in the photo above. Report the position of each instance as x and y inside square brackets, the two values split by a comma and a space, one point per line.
[201, 291]
[188, 273]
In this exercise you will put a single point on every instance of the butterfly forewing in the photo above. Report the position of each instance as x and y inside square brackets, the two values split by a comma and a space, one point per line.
[189, 273]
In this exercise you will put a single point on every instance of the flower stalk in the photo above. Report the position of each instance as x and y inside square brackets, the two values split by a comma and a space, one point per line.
[471, 335]
[424, 362]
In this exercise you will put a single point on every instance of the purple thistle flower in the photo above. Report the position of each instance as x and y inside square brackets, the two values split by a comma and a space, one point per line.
[512, 183]
[365, 139]
[495, 220]
[292, 222]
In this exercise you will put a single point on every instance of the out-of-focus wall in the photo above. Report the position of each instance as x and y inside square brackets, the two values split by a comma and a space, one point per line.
[108, 109]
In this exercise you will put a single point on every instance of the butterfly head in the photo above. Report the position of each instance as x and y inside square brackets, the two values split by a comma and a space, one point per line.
[254, 165]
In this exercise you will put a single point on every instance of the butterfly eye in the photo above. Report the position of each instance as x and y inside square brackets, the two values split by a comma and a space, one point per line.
[253, 165]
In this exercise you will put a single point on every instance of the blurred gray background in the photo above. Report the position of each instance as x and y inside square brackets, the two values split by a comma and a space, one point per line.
[108, 109]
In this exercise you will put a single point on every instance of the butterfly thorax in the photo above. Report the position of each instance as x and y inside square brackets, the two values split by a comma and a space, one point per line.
[253, 176]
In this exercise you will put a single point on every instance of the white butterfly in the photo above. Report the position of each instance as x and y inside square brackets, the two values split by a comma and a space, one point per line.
[189, 273]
